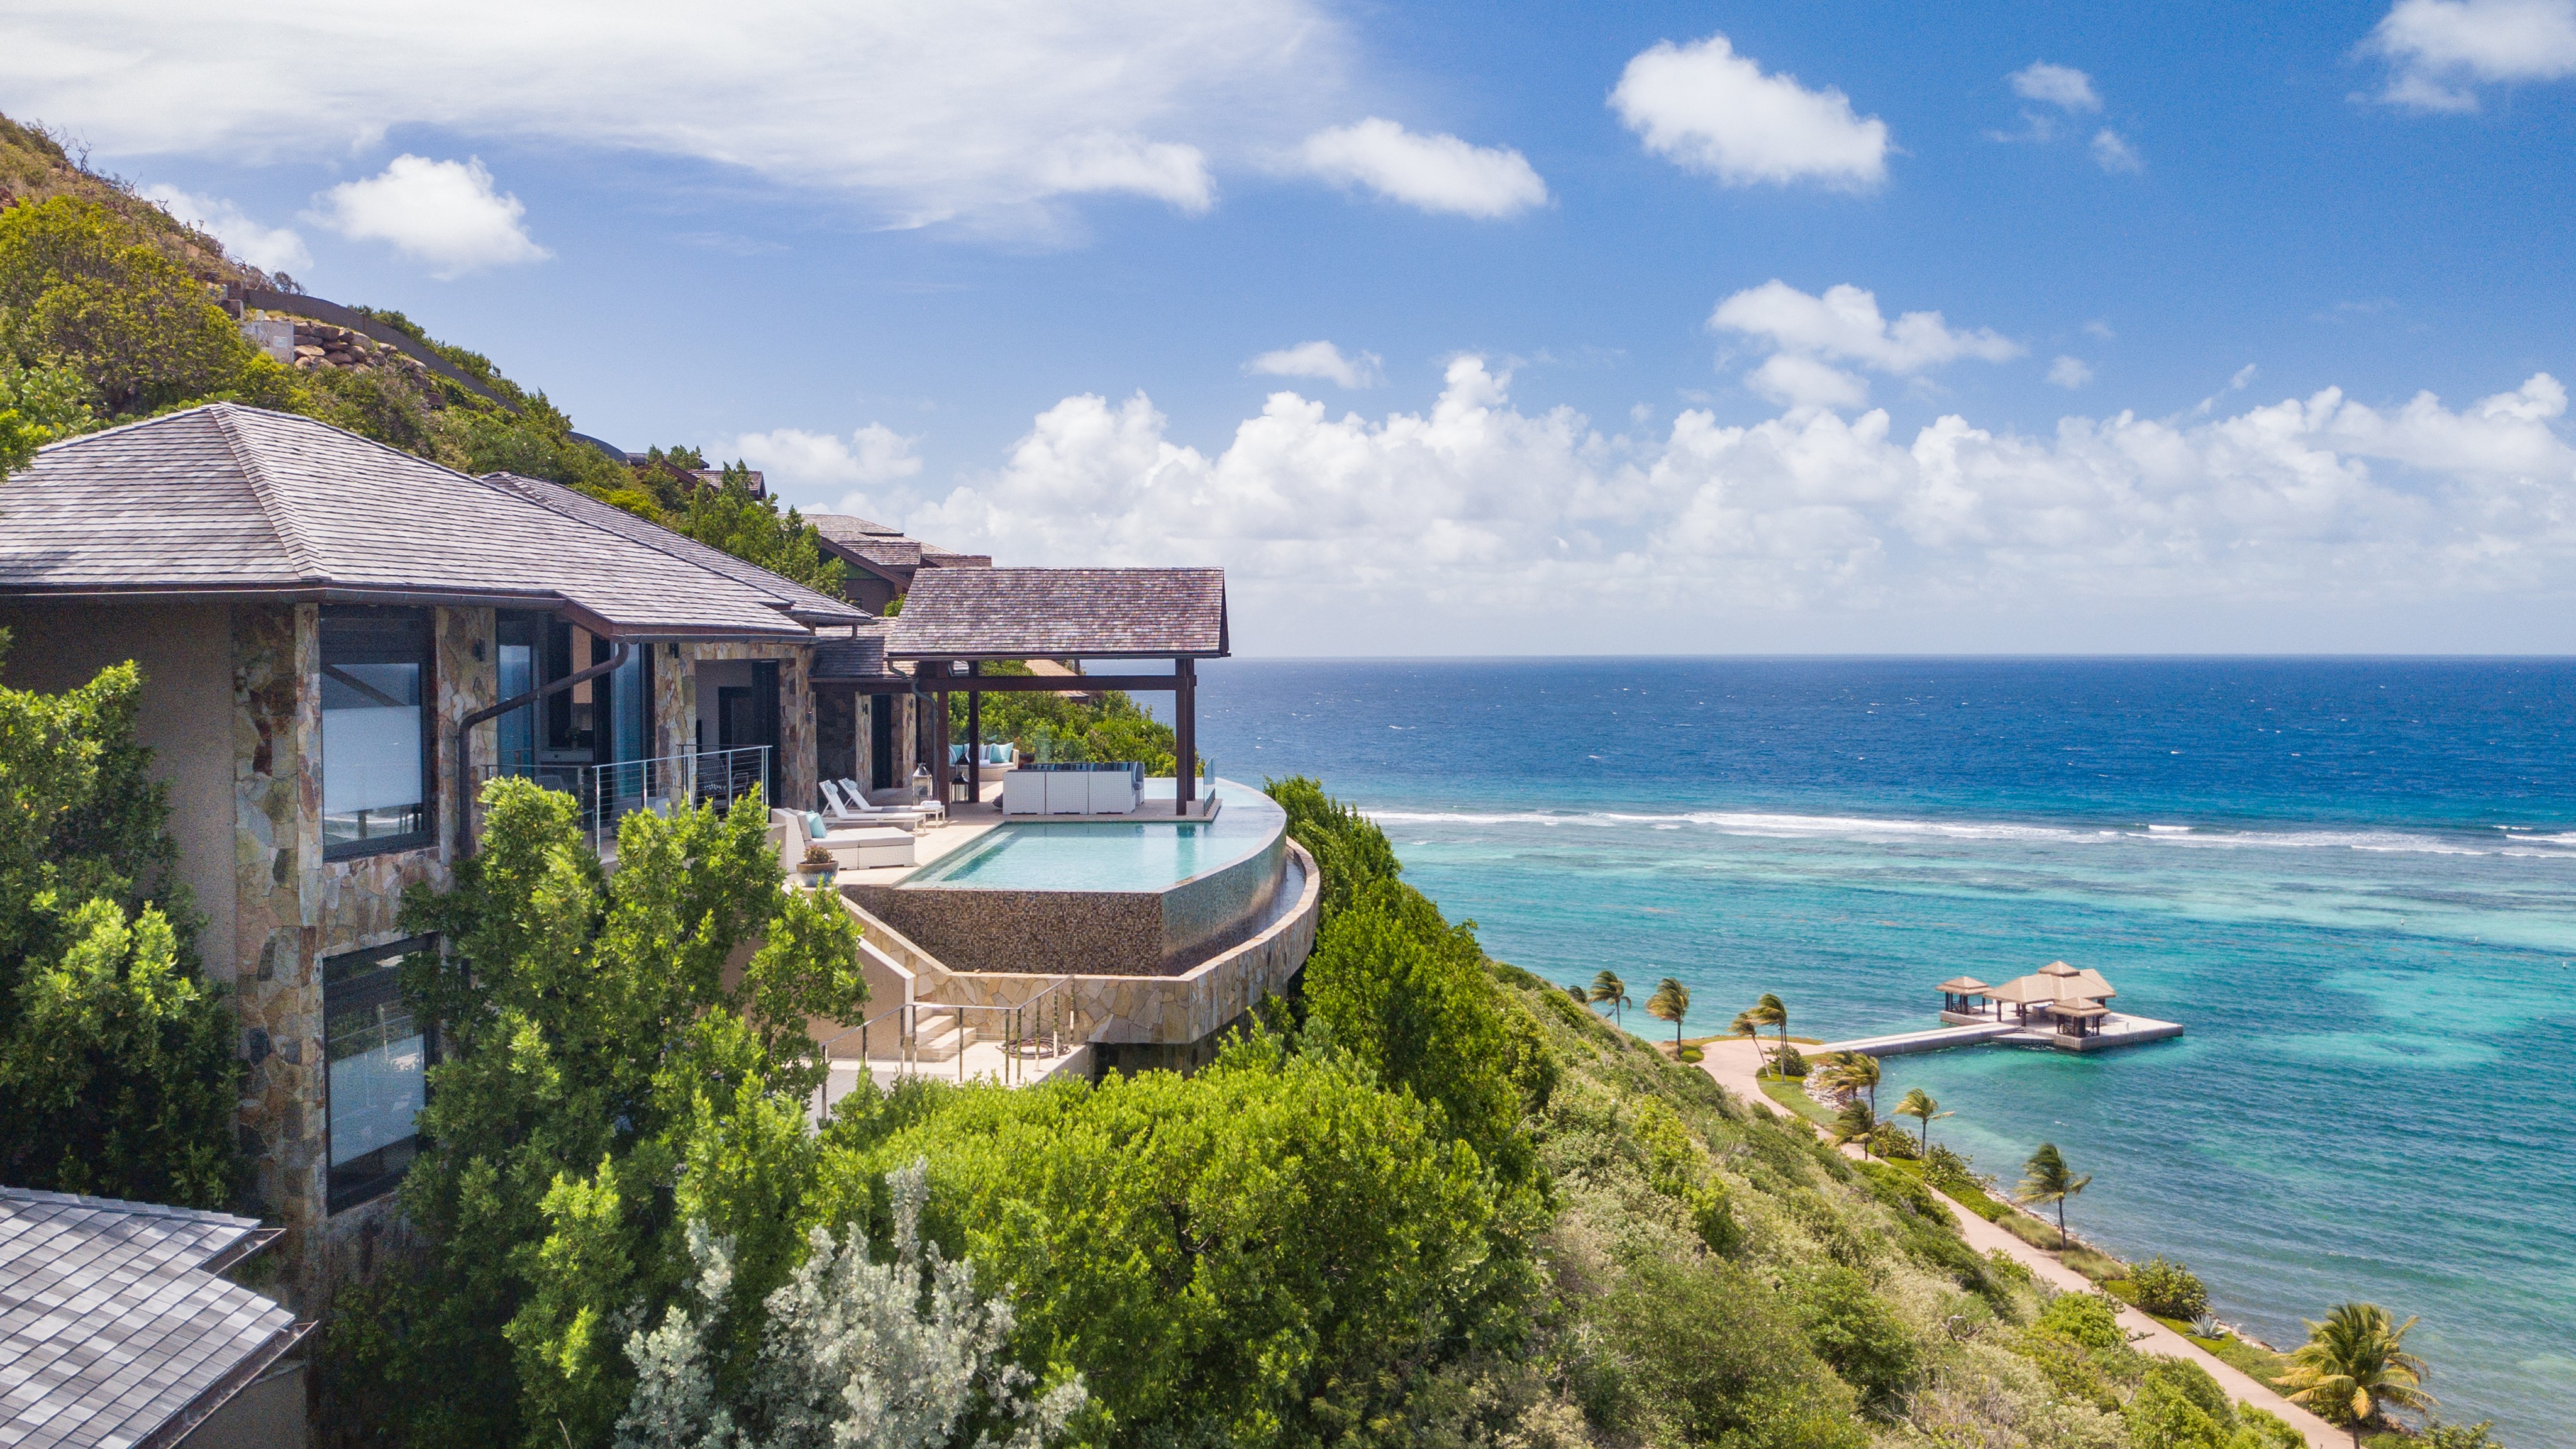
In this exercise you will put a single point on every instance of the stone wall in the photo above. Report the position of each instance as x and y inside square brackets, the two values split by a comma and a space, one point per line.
[796, 723]
[293, 908]
[675, 700]
[1161, 1010]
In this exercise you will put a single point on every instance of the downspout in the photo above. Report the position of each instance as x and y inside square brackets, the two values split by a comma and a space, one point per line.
[464, 844]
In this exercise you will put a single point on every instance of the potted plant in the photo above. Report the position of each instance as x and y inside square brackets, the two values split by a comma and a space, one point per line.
[817, 867]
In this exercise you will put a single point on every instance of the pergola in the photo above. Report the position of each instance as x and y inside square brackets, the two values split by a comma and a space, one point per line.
[1960, 994]
[957, 620]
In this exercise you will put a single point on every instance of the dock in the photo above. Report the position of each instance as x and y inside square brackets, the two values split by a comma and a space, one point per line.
[1959, 1029]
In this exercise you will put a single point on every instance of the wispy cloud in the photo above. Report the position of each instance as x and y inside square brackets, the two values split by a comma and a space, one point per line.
[1319, 360]
[2439, 51]
[1430, 173]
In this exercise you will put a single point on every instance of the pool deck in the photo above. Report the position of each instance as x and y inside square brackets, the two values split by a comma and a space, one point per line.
[969, 823]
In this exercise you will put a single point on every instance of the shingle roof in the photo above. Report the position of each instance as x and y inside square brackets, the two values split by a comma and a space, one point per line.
[987, 613]
[859, 659]
[113, 1323]
[886, 550]
[800, 603]
[225, 499]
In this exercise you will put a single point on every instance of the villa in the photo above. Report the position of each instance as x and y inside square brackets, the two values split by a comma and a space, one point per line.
[340, 642]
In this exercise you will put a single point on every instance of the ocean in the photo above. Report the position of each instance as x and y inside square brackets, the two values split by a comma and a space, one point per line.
[2354, 881]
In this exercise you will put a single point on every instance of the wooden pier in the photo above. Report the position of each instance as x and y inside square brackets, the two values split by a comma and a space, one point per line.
[1959, 1029]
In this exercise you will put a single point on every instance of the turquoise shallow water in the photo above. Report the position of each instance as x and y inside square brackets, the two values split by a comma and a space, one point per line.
[2354, 882]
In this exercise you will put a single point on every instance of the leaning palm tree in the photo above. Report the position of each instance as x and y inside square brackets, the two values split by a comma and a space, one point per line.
[1671, 1002]
[1772, 1011]
[1608, 989]
[1854, 1123]
[1858, 1071]
[2045, 1179]
[2355, 1365]
[1751, 1030]
[1918, 1104]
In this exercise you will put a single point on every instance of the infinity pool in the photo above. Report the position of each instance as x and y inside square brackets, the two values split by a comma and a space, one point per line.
[1142, 855]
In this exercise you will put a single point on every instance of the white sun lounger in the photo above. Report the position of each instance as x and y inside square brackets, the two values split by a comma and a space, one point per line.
[847, 807]
[860, 806]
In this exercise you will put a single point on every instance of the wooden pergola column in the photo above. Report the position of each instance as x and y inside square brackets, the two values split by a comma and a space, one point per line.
[1185, 735]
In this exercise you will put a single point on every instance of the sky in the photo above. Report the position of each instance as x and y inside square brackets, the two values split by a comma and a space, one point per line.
[1459, 329]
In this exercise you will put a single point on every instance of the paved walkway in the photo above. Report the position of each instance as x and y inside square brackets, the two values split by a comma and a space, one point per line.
[1733, 1061]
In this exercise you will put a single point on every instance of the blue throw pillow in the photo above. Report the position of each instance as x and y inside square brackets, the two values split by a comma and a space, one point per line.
[815, 829]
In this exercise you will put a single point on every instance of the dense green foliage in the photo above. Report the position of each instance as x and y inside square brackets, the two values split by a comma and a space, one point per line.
[2168, 1289]
[116, 1060]
[1435, 1202]
[2355, 1367]
[607, 1080]
[1108, 725]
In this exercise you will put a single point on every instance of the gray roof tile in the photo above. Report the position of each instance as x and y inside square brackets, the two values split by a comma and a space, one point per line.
[224, 498]
[800, 602]
[989, 613]
[110, 1326]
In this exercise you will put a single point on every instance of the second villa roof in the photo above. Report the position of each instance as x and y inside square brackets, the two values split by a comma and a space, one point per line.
[232, 501]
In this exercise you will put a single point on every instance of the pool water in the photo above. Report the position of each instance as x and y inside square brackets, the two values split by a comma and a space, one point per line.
[1142, 855]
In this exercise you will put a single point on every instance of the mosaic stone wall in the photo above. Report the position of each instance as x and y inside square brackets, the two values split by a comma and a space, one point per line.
[796, 724]
[1163, 1010]
[293, 908]
[675, 701]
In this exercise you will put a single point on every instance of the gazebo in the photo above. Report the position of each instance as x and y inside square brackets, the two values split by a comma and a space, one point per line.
[2077, 1018]
[1960, 995]
[2052, 985]
[957, 620]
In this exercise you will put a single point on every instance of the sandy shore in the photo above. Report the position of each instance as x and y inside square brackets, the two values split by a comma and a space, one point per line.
[1733, 1062]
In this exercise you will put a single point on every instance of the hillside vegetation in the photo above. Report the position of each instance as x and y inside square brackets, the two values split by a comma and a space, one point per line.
[1434, 1202]
[110, 310]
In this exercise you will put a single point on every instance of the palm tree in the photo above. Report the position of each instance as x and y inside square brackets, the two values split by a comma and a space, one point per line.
[1918, 1104]
[1607, 987]
[2045, 1178]
[1857, 1071]
[1671, 1002]
[1772, 1011]
[1745, 1026]
[1854, 1124]
[2354, 1365]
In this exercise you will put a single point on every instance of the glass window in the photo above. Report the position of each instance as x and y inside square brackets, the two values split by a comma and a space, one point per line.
[517, 667]
[375, 729]
[379, 1056]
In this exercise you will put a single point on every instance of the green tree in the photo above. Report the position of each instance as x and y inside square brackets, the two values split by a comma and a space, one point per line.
[1855, 1122]
[607, 1081]
[1750, 1029]
[2355, 1366]
[749, 526]
[1671, 1002]
[2168, 1289]
[1712, 1355]
[1855, 1072]
[1608, 988]
[1852, 1329]
[116, 1060]
[39, 405]
[1406, 994]
[84, 288]
[1771, 1011]
[1919, 1105]
[2047, 1179]
[1263, 1252]
[1349, 848]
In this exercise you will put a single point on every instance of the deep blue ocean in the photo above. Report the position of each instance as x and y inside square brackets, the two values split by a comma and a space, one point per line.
[2354, 882]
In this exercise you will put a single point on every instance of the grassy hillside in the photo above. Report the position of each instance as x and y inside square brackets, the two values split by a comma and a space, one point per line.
[1433, 1202]
[111, 310]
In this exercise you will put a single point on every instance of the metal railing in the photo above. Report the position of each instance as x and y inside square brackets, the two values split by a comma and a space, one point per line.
[609, 793]
[919, 1037]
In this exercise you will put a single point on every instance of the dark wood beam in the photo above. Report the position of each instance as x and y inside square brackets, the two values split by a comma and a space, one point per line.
[1058, 683]
[1185, 735]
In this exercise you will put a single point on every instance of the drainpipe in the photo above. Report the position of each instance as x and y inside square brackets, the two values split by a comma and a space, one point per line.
[464, 844]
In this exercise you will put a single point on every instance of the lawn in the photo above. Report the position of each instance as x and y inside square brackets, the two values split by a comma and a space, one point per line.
[1792, 1095]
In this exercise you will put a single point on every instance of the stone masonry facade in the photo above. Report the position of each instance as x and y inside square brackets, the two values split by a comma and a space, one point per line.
[293, 909]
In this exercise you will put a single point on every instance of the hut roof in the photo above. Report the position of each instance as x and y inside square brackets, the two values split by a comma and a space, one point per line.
[2058, 968]
[989, 613]
[1963, 985]
[2086, 1009]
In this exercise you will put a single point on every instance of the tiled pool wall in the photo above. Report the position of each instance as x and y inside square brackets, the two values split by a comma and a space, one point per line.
[1137, 1017]
[1097, 933]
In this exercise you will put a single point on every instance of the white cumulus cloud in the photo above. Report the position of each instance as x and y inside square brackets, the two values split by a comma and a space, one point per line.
[1807, 332]
[1321, 360]
[1712, 110]
[1484, 525]
[2062, 86]
[269, 248]
[987, 112]
[2069, 372]
[1434, 173]
[2439, 50]
[446, 214]
[806, 464]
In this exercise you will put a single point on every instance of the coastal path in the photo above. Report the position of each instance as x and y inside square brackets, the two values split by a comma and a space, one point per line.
[1733, 1061]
